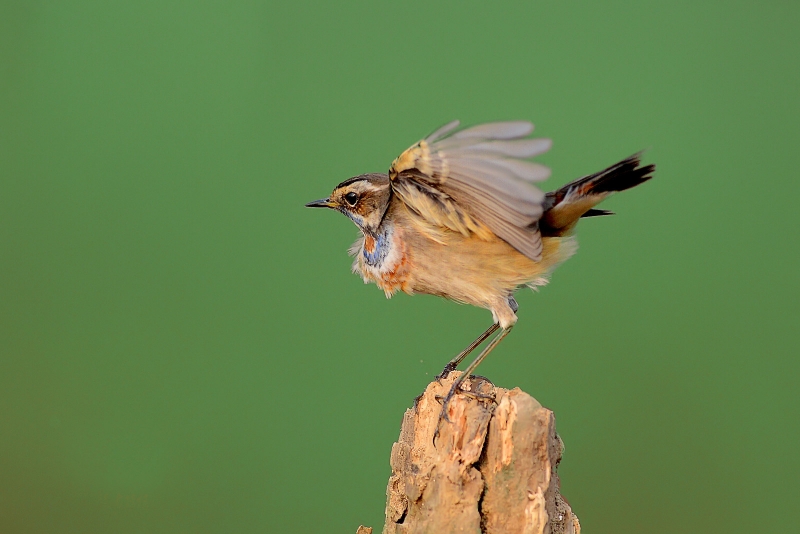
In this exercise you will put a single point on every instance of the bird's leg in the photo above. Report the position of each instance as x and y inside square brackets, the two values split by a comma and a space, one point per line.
[477, 361]
[468, 371]
[455, 362]
[452, 364]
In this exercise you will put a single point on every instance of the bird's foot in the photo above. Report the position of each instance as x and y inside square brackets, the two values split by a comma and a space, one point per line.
[466, 387]
[445, 402]
[449, 368]
[416, 401]
[480, 396]
[474, 386]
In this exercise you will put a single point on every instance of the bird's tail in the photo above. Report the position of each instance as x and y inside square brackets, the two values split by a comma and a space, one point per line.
[563, 207]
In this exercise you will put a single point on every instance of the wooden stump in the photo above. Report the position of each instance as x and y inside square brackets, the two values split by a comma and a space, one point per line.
[491, 471]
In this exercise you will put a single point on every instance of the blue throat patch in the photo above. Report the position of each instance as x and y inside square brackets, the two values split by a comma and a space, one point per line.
[353, 217]
[383, 242]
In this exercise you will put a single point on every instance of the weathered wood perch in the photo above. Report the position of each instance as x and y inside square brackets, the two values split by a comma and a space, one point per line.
[492, 471]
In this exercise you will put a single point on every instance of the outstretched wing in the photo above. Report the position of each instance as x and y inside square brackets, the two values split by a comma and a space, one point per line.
[477, 178]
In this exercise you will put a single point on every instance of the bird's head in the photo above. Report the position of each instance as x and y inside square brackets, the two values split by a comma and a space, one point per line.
[363, 199]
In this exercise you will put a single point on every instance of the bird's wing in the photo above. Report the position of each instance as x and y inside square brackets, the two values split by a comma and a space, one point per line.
[475, 178]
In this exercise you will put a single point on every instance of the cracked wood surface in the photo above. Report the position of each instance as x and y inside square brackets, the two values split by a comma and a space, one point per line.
[491, 471]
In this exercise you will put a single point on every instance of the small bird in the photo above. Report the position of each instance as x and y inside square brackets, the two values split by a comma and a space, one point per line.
[458, 216]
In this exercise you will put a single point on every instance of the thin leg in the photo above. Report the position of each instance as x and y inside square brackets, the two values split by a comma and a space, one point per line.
[452, 364]
[475, 363]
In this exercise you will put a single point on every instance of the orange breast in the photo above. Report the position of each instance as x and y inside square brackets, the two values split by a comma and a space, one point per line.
[369, 244]
[396, 277]
[394, 272]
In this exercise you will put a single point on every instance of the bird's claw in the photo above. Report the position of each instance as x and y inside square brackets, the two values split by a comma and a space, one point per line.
[457, 387]
[443, 414]
[481, 396]
[449, 368]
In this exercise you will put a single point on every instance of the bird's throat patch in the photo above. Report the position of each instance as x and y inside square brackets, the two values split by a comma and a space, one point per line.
[377, 248]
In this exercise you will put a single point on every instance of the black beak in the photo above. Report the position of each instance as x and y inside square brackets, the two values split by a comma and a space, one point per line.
[321, 203]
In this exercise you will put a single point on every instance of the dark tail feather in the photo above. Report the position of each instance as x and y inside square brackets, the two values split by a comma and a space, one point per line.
[577, 199]
[596, 213]
[619, 177]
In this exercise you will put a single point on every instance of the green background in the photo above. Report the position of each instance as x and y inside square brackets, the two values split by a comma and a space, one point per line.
[184, 349]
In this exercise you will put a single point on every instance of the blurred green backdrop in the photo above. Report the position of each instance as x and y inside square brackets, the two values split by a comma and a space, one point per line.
[184, 349]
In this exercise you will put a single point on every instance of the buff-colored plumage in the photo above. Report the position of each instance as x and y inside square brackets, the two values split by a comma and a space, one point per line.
[484, 174]
[458, 216]
[476, 268]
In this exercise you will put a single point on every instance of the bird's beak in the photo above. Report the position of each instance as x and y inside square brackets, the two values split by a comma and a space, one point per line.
[321, 203]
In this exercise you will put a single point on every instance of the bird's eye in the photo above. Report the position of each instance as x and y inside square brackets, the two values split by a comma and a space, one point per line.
[351, 198]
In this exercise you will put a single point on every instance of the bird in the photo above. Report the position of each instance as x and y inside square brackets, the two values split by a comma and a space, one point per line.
[458, 216]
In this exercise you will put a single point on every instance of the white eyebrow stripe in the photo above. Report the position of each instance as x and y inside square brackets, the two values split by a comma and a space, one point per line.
[369, 187]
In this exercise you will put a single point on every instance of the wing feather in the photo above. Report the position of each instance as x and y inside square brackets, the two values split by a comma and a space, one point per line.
[519, 148]
[478, 177]
[441, 132]
[496, 130]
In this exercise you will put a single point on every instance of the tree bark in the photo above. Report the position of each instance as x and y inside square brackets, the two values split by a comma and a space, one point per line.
[492, 469]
